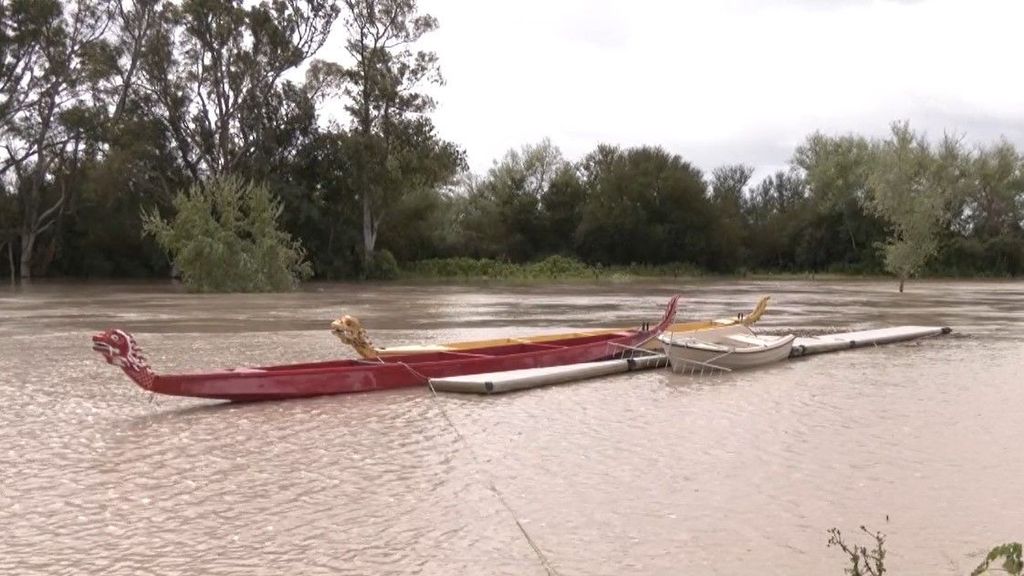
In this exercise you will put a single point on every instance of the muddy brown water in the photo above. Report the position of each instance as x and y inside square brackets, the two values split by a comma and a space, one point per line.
[647, 473]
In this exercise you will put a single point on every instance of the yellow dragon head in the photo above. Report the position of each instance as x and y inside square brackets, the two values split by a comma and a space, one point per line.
[349, 330]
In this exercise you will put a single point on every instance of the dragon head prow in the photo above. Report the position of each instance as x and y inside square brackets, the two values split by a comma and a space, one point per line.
[349, 330]
[120, 349]
[756, 313]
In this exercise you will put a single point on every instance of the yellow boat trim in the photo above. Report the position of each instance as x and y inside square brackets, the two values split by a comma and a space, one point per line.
[350, 331]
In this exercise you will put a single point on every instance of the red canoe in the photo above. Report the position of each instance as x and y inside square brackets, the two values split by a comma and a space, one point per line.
[337, 377]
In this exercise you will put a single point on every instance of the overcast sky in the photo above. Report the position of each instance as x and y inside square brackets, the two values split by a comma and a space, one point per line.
[722, 81]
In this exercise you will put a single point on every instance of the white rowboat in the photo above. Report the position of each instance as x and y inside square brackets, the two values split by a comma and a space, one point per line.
[728, 348]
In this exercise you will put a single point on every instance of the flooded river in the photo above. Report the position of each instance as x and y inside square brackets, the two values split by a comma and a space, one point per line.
[647, 473]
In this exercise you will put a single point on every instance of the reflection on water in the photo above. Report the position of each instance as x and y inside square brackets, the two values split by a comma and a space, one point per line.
[649, 473]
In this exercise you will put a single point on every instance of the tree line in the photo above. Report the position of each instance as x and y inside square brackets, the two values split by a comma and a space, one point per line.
[114, 112]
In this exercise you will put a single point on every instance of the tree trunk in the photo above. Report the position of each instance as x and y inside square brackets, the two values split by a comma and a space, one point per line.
[46, 256]
[28, 241]
[369, 232]
[10, 260]
[902, 280]
[31, 229]
[848, 224]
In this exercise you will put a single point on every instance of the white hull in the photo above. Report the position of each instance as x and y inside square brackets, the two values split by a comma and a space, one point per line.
[724, 349]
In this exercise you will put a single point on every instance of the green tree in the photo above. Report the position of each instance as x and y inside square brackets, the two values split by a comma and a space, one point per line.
[562, 209]
[215, 69]
[996, 192]
[987, 228]
[727, 186]
[473, 218]
[102, 234]
[224, 237]
[777, 210]
[322, 207]
[727, 189]
[912, 187]
[836, 170]
[415, 229]
[644, 205]
[394, 146]
[507, 205]
[128, 160]
[49, 56]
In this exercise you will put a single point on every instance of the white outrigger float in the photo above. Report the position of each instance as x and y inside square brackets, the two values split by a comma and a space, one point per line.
[845, 341]
[499, 382]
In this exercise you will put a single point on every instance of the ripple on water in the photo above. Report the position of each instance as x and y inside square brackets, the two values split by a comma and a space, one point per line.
[649, 473]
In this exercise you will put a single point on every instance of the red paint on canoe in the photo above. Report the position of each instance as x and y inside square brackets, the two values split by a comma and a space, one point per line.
[342, 376]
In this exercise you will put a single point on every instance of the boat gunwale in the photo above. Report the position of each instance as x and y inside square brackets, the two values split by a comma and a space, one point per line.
[714, 347]
[406, 361]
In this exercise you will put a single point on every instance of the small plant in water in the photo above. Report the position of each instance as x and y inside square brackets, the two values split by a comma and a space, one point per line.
[865, 562]
[1011, 555]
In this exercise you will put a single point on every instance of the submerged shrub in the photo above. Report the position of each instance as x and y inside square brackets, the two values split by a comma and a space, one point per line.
[551, 268]
[461, 268]
[224, 237]
[560, 267]
[383, 266]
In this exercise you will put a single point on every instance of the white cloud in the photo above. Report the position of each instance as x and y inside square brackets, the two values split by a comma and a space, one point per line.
[721, 81]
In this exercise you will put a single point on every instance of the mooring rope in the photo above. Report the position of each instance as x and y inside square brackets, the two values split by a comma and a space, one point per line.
[490, 481]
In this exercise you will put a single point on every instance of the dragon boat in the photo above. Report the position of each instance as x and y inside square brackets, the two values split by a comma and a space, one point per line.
[120, 349]
[350, 331]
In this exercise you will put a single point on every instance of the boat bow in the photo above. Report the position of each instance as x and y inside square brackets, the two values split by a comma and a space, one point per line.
[120, 349]
[668, 318]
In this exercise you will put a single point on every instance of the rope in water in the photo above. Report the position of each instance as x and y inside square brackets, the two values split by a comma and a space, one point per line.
[536, 549]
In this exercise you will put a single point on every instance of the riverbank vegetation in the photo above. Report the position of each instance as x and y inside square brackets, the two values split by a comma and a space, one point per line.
[109, 109]
[550, 268]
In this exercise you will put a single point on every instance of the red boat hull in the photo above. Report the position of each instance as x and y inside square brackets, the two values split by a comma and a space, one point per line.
[345, 376]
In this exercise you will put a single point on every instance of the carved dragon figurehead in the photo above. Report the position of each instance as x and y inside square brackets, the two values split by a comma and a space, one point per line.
[120, 349]
[350, 331]
[756, 313]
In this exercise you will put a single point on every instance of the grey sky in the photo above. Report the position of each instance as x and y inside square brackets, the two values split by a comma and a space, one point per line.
[722, 81]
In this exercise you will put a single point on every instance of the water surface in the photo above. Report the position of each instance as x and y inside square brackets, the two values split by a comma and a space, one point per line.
[648, 473]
